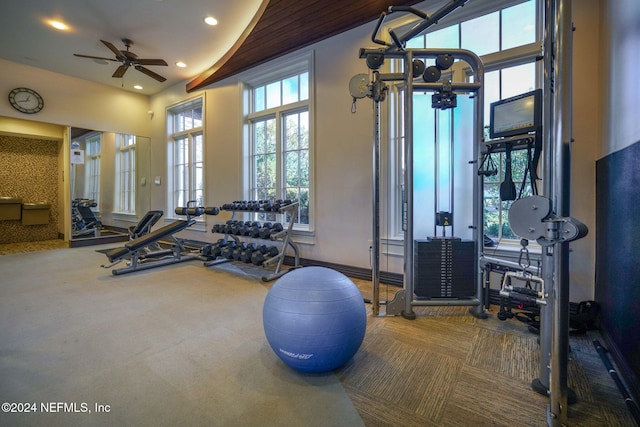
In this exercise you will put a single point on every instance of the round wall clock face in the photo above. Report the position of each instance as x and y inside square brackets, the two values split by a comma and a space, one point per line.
[26, 100]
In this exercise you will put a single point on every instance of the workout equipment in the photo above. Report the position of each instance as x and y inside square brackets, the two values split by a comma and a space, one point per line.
[314, 319]
[84, 222]
[144, 252]
[444, 97]
[144, 225]
[235, 230]
[245, 255]
[259, 256]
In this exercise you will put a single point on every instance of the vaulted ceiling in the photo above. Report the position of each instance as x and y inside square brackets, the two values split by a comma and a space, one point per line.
[287, 25]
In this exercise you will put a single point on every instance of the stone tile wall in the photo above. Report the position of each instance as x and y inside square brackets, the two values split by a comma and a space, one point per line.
[29, 170]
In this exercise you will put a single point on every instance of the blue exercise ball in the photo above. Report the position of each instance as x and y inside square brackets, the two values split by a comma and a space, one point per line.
[314, 319]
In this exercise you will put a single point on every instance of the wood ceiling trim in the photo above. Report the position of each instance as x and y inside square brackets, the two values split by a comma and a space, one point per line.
[284, 26]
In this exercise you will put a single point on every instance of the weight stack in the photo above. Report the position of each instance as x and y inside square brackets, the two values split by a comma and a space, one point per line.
[444, 268]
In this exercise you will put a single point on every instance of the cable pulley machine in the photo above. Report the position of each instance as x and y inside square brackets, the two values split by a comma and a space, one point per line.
[417, 77]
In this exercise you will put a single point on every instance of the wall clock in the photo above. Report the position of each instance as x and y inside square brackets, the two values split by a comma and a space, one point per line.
[26, 100]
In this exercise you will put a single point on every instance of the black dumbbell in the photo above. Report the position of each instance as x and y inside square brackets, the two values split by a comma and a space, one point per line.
[237, 251]
[212, 211]
[245, 255]
[265, 205]
[227, 251]
[216, 249]
[265, 231]
[258, 257]
[275, 206]
[254, 231]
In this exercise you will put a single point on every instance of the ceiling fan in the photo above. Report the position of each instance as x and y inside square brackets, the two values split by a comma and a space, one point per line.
[129, 59]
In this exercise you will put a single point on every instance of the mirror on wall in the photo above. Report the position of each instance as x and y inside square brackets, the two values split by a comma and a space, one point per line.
[109, 184]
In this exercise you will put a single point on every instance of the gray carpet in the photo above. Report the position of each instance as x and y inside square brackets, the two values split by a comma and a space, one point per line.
[178, 345]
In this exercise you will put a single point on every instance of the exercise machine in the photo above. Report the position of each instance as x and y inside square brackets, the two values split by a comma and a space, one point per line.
[416, 77]
[145, 252]
[84, 222]
[145, 224]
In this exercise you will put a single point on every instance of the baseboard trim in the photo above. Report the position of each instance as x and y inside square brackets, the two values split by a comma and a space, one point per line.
[387, 278]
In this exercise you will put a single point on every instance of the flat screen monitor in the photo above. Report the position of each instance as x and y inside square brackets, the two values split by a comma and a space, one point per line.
[517, 115]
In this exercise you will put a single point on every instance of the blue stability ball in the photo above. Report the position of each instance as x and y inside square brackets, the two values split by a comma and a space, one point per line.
[314, 319]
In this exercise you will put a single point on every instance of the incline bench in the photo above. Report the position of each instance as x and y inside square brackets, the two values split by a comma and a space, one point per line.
[139, 250]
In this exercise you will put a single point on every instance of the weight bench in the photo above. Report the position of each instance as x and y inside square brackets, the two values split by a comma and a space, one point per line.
[144, 225]
[142, 257]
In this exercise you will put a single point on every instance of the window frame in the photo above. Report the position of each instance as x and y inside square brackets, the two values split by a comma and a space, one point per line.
[93, 166]
[278, 71]
[192, 164]
[125, 168]
[519, 55]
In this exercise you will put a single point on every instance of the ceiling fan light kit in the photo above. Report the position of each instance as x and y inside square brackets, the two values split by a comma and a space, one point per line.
[129, 59]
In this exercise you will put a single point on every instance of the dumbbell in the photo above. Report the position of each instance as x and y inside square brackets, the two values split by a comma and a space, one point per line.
[227, 251]
[275, 206]
[237, 251]
[247, 228]
[275, 228]
[254, 230]
[265, 205]
[212, 211]
[245, 255]
[213, 251]
[265, 231]
[206, 250]
[219, 228]
[258, 257]
[218, 247]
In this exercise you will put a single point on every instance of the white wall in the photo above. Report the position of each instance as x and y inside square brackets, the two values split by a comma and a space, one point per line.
[620, 62]
[69, 101]
[342, 167]
[586, 132]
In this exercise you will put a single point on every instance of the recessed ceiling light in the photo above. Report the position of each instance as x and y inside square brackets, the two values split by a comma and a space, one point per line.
[58, 25]
[210, 20]
[137, 87]
[181, 64]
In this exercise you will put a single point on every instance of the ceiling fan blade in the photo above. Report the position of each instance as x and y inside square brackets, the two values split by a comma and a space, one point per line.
[150, 73]
[95, 57]
[152, 62]
[120, 71]
[113, 49]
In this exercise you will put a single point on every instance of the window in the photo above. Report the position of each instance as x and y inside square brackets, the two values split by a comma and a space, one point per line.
[504, 83]
[279, 138]
[92, 168]
[125, 188]
[504, 35]
[186, 155]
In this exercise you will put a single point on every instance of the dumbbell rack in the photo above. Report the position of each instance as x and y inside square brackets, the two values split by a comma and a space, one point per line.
[283, 236]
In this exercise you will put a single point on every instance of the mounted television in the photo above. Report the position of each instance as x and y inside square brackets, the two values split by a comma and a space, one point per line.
[517, 115]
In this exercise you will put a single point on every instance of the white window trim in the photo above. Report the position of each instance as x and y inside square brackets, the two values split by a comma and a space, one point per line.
[502, 59]
[170, 217]
[290, 65]
[120, 148]
[98, 158]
